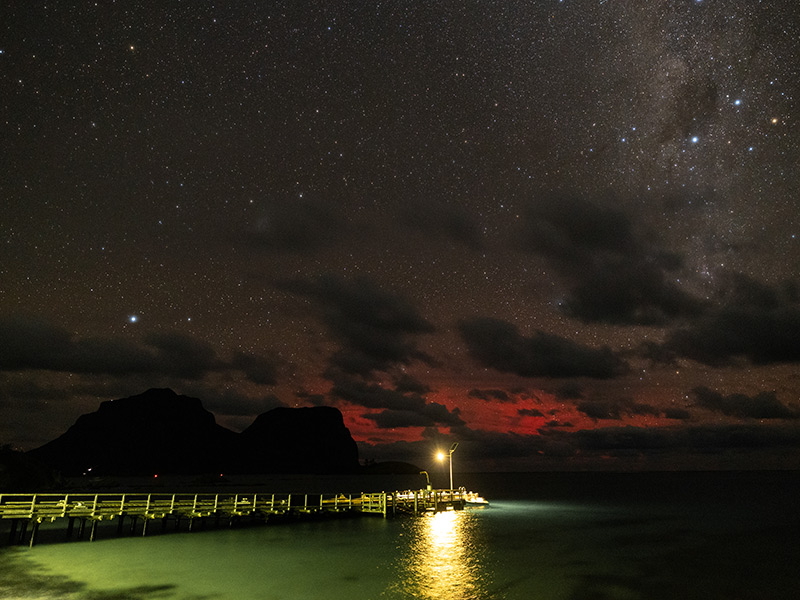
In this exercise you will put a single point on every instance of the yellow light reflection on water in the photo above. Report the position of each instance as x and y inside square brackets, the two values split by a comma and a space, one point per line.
[443, 559]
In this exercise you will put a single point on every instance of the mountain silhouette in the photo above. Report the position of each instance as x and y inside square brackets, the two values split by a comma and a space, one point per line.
[160, 431]
[300, 440]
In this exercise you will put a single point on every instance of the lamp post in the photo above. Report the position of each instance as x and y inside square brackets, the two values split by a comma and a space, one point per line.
[427, 479]
[441, 457]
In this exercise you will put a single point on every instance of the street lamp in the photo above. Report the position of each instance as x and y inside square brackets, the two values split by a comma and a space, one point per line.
[440, 456]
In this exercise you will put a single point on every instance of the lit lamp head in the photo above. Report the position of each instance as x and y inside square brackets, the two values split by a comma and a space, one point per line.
[440, 456]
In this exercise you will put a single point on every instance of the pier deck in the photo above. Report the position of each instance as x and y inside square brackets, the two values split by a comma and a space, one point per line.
[28, 511]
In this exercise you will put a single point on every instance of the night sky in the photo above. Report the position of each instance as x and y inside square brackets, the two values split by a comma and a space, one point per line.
[561, 233]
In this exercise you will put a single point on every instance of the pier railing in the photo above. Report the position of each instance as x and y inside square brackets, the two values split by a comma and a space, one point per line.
[28, 511]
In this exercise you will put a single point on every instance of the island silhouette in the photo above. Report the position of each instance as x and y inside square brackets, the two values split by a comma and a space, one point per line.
[162, 432]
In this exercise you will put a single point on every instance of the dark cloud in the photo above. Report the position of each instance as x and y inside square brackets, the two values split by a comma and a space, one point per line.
[226, 401]
[617, 275]
[374, 395]
[257, 369]
[33, 395]
[182, 355]
[764, 405]
[406, 383]
[490, 395]
[752, 322]
[530, 412]
[299, 227]
[570, 391]
[431, 414]
[499, 445]
[677, 414]
[30, 343]
[311, 398]
[438, 219]
[627, 292]
[401, 406]
[499, 344]
[33, 344]
[702, 439]
[615, 409]
[713, 438]
[555, 423]
[553, 446]
[642, 439]
[375, 329]
[574, 232]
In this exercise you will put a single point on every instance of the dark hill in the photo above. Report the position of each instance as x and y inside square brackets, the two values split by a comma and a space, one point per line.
[155, 432]
[22, 473]
[300, 440]
[161, 432]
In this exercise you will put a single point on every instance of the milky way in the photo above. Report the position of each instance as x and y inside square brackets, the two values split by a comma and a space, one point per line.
[563, 234]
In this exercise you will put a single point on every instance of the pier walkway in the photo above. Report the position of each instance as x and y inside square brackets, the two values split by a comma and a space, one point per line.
[28, 511]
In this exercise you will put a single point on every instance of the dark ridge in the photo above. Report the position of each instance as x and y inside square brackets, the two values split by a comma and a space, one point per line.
[300, 440]
[160, 431]
[22, 473]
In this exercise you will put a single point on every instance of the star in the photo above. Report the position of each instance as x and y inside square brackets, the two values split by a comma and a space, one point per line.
[368, 216]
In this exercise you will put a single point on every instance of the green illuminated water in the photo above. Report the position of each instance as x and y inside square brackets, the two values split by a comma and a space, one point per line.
[634, 539]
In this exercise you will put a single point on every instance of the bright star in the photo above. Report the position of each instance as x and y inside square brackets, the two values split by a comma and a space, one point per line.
[133, 318]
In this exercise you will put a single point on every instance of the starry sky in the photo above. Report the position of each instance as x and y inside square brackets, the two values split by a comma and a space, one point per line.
[563, 234]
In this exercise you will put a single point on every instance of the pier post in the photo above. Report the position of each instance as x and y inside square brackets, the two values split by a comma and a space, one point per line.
[94, 527]
[34, 531]
[70, 526]
[23, 529]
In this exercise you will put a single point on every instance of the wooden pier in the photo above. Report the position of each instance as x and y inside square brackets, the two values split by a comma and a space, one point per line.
[28, 511]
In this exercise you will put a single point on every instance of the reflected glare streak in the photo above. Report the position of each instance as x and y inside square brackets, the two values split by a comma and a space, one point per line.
[443, 559]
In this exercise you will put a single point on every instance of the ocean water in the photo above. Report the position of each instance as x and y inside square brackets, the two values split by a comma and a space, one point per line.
[573, 536]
